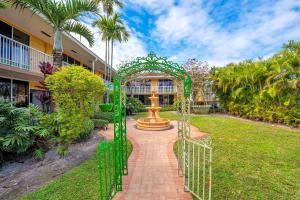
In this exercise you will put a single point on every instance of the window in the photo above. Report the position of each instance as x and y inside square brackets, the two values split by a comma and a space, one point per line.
[65, 58]
[70, 60]
[77, 63]
[165, 82]
[166, 99]
[21, 37]
[5, 89]
[20, 93]
[5, 29]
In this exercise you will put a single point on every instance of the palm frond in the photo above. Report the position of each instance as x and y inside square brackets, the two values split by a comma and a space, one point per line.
[76, 27]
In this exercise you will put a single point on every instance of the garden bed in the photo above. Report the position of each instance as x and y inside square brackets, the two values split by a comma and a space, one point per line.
[17, 178]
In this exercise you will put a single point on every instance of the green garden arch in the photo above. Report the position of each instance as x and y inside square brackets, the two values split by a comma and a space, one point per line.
[141, 64]
[113, 155]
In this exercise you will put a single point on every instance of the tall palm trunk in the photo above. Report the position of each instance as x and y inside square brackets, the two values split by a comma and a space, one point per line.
[111, 58]
[108, 68]
[57, 49]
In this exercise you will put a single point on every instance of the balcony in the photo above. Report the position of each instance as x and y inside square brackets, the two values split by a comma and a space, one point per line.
[18, 55]
[146, 90]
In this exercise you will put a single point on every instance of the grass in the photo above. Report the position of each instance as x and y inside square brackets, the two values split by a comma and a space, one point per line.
[251, 160]
[81, 182]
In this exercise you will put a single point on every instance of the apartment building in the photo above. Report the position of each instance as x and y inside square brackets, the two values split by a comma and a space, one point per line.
[142, 87]
[26, 40]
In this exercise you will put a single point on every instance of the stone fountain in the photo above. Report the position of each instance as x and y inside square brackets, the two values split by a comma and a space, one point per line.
[153, 122]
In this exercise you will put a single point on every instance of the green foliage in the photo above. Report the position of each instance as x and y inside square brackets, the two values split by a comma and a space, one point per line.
[87, 129]
[21, 129]
[39, 154]
[16, 131]
[133, 105]
[75, 90]
[106, 107]
[100, 123]
[108, 116]
[266, 89]
[62, 150]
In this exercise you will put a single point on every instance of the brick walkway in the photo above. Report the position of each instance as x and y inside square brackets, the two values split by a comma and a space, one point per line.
[152, 165]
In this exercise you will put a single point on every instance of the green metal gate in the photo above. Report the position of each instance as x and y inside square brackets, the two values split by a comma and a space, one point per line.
[118, 147]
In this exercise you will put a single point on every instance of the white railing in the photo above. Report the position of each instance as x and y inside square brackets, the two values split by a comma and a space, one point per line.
[149, 89]
[21, 56]
[165, 89]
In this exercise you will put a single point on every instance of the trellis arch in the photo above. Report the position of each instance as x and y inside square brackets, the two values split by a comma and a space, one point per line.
[140, 64]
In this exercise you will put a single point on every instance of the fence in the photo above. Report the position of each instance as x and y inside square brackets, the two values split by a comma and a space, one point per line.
[106, 166]
[195, 165]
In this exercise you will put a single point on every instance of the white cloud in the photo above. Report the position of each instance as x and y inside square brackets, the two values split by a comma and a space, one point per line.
[264, 27]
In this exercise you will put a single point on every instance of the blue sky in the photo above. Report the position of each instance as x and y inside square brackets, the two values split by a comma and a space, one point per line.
[216, 31]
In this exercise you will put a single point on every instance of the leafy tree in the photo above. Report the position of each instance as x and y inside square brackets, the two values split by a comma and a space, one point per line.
[265, 89]
[75, 91]
[64, 16]
[199, 72]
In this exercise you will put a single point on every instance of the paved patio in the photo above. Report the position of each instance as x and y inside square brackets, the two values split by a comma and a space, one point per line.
[152, 165]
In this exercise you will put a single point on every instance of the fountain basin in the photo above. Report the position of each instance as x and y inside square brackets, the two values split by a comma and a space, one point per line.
[151, 124]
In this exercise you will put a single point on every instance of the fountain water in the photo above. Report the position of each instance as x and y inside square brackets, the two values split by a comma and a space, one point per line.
[153, 122]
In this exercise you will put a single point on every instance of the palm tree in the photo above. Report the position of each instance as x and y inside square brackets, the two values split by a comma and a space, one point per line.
[108, 9]
[118, 33]
[112, 29]
[64, 17]
[4, 4]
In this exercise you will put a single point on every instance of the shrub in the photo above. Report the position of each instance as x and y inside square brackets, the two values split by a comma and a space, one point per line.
[106, 107]
[265, 89]
[108, 116]
[87, 129]
[20, 129]
[134, 105]
[100, 123]
[75, 91]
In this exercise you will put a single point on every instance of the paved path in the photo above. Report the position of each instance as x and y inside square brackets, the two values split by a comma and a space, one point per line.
[152, 165]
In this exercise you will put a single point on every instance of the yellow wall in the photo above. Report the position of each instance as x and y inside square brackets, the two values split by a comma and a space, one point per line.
[38, 44]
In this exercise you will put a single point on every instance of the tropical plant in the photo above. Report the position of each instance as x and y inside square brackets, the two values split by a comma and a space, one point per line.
[20, 129]
[112, 29]
[108, 9]
[44, 95]
[134, 105]
[64, 16]
[4, 4]
[265, 89]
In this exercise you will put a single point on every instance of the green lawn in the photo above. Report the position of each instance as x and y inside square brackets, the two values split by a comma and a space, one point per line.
[251, 160]
[81, 182]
